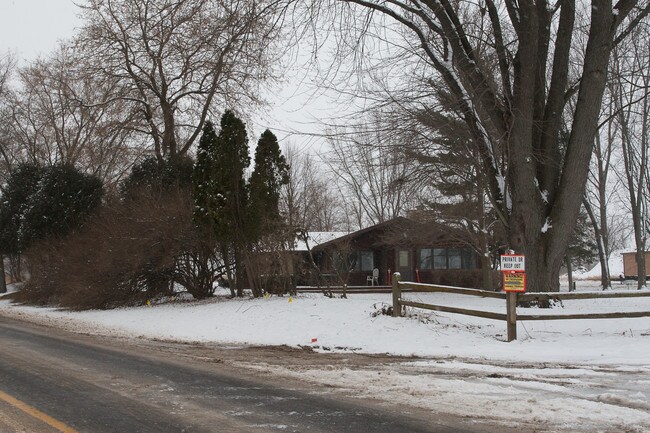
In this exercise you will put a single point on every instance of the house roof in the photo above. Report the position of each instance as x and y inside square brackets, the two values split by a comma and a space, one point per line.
[398, 231]
[317, 238]
[392, 223]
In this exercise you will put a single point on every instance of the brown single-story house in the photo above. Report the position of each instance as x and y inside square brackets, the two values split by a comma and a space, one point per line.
[418, 251]
[630, 269]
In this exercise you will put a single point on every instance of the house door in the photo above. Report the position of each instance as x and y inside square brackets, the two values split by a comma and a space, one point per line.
[404, 264]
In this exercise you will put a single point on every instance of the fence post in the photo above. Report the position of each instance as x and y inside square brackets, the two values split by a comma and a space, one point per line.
[511, 315]
[397, 293]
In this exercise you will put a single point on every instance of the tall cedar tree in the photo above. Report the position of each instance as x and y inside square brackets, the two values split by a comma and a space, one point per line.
[204, 199]
[231, 160]
[203, 179]
[229, 193]
[270, 174]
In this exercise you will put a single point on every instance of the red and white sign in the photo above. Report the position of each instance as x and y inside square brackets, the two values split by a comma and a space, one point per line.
[513, 263]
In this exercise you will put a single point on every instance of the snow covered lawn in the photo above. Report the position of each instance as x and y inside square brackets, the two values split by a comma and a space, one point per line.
[586, 375]
[356, 324]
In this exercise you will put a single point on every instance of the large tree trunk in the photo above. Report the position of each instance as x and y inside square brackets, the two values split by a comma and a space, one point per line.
[640, 251]
[542, 268]
[603, 243]
[229, 269]
[169, 144]
[569, 272]
[605, 278]
[3, 282]
[486, 272]
[16, 270]
[543, 230]
[252, 274]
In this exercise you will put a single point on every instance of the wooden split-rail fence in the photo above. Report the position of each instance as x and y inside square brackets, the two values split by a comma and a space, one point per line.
[511, 299]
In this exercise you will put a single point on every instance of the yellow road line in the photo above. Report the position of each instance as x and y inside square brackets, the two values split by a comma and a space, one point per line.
[36, 413]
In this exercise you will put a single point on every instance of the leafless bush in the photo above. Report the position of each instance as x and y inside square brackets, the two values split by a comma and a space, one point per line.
[199, 266]
[126, 254]
[273, 266]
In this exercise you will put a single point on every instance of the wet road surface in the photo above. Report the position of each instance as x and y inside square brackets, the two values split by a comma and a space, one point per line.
[53, 381]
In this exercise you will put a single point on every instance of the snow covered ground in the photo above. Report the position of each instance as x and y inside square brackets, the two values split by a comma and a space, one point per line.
[587, 375]
[615, 268]
[356, 324]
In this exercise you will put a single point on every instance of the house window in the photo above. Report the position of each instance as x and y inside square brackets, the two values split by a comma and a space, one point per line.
[403, 261]
[356, 261]
[454, 260]
[344, 262]
[447, 258]
[426, 258]
[468, 258]
[367, 261]
[439, 258]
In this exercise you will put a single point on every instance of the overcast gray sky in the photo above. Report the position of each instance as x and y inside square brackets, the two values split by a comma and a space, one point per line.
[30, 28]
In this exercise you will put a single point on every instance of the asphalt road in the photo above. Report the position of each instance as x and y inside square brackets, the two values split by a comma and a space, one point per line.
[52, 381]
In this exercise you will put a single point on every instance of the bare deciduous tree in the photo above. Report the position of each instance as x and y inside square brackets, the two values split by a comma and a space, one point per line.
[61, 115]
[435, 140]
[7, 65]
[6, 159]
[180, 58]
[598, 196]
[308, 201]
[376, 181]
[631, 98]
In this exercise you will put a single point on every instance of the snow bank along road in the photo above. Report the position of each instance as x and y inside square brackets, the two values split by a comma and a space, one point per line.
[54, 381]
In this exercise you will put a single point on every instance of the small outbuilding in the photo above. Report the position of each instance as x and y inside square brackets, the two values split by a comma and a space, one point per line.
[630, 268]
